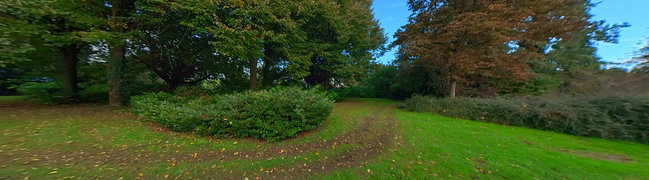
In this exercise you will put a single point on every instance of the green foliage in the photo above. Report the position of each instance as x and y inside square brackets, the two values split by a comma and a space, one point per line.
[624, 118]
[270, 115]
[94, 93]
[381, 81]
[42, 92]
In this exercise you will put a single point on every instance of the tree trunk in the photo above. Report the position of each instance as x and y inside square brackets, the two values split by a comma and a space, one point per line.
[70, 61]
[327, 81]
[265, 82]
[115, 68]
[172, 86]
[453, 87]
[115, 65]
[253, 72]
[173, 82]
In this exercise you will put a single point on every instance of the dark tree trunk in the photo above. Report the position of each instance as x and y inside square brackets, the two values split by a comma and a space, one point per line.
[253, 72]
[453, 88]
[317, 74]
[115, 65]
[265, 82]
[327, 81]
[172, 85]
[70, 60]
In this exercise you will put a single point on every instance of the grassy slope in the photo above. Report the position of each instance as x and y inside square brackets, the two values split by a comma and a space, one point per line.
[435, 146]
[424, 146]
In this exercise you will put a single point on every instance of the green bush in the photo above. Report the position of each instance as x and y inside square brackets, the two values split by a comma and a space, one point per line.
[270, 115]
[623, 118]
[42, 92]
[94, 93]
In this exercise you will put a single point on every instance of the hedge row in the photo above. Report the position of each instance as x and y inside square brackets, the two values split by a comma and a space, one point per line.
[270, 115]
[623, 118]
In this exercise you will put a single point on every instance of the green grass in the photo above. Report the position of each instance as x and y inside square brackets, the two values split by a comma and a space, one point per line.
[11, 99]
[452, 148]
[44, 142]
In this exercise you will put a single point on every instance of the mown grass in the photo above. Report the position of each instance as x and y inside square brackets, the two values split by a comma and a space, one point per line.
[425, 146]
[11, 99]
[436, 146]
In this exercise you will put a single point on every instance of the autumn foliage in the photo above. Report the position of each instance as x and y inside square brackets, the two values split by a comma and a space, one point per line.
[464, 39]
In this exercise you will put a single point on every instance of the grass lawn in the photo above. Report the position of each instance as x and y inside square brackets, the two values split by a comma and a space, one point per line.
[363, 138]
[11, 99]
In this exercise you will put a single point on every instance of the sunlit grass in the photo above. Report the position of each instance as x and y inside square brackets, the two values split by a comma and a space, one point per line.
[435, 146]
[424, 146]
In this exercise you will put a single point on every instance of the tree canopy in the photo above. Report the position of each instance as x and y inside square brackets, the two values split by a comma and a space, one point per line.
[474, 41]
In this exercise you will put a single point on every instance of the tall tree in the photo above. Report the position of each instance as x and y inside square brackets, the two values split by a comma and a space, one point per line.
[344, 38]
[578, 53]
[461, 39]
[65, 25]
[171, 41]
[119, 25]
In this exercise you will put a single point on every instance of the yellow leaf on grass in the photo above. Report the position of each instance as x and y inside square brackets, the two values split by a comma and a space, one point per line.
[222, 149]
[140, 174]
[166, 175]
[53, 172]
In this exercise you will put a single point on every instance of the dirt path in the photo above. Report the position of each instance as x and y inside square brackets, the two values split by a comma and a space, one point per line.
[369, 139]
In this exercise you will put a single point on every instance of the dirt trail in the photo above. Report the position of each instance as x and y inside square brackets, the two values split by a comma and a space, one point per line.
[369, 139]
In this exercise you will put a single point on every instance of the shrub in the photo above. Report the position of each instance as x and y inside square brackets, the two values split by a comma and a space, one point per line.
[94, 93]
[623, 118]
[42, 92]
[270, 115]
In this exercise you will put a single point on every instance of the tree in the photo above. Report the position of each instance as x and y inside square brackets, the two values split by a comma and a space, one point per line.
[119, 26]
[642, 61]
[242, 27]
[464, 39]
[170, 39]
[64, 25]
[343, 38]
[567, 58]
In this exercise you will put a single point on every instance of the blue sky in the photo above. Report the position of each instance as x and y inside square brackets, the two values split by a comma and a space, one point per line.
[392, 14]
